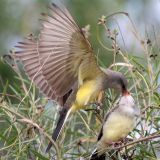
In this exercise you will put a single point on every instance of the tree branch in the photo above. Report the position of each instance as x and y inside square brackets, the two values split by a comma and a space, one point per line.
[26, 120]
[152, 136]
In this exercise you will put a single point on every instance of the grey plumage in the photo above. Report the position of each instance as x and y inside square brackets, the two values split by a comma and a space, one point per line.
[117, 124]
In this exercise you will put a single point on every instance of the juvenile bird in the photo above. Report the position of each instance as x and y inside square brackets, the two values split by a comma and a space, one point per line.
[117, 124]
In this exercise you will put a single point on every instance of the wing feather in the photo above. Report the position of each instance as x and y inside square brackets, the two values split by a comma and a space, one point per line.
[30, 58]
[61, 53]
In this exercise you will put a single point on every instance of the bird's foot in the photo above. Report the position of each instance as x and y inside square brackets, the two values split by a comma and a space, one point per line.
[96, 107]
[96, 104]
[118, 144]
[115, 144]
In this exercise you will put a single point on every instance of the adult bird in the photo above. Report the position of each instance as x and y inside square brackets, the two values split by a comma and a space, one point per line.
[62, 59]
[116, 126]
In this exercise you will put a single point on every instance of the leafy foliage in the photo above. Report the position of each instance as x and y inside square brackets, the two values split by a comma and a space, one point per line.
[27, 118]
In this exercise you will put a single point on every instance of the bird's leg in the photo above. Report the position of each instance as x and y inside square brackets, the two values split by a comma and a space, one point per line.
[125, 140]
[119, 143]
[95, 105]
[115, 144]
[95, 108]
[98, 104]
[100, 99]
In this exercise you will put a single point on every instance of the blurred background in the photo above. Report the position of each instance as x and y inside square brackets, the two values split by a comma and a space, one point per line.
[139, 44]
[19, 18]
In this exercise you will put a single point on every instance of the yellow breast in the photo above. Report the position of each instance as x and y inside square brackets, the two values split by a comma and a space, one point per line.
[117, 127]
[86, 94]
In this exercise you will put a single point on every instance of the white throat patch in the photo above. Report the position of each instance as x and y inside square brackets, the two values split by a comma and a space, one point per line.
[127, 105]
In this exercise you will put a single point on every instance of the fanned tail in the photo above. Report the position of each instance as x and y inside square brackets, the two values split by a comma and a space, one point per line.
[64, 114]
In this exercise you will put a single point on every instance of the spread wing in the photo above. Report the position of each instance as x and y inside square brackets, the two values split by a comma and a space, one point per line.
[30, 58]
[61, 56]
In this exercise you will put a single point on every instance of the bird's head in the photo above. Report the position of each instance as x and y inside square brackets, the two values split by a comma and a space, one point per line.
[115, 80]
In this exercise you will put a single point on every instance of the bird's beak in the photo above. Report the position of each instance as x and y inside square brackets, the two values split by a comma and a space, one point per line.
[125, 93]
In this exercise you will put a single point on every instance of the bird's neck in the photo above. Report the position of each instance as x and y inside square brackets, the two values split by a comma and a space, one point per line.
[127, 105]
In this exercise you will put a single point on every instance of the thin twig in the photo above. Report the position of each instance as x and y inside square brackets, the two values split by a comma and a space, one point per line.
[152, 136]
[28, 121]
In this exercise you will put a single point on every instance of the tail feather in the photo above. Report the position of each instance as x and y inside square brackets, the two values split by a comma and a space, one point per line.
[64, 114]
[96, 156]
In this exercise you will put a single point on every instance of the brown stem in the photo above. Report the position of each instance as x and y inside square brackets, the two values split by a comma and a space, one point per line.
[152, 136]
[26, 120]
